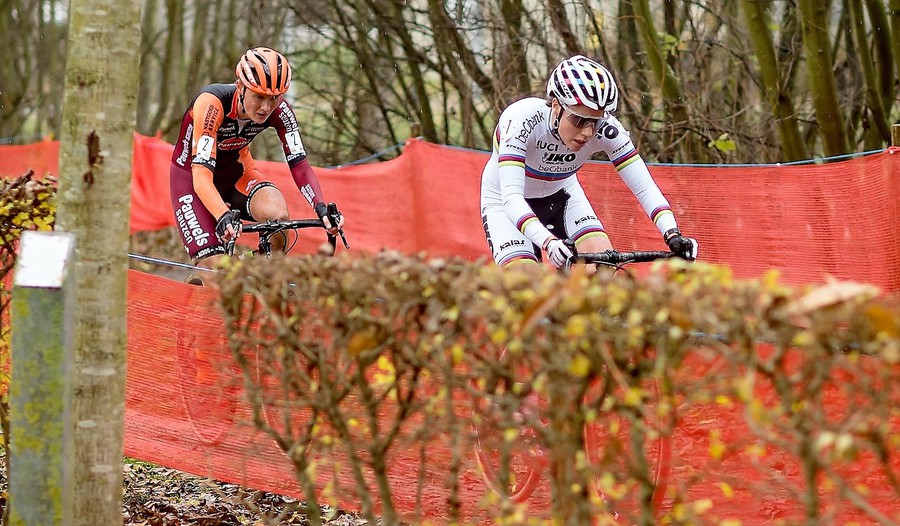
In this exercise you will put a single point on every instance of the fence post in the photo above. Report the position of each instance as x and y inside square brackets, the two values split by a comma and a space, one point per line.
[41, 438]
[895, 134]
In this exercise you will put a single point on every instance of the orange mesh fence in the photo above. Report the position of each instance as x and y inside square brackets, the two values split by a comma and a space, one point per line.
[186, 410]
[809, 221]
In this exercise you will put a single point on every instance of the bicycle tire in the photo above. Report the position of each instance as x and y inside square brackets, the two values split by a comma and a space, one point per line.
[200, 387]
[528, 465]
[657, 451]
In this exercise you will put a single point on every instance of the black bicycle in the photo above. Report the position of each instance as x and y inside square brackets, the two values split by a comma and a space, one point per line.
[274, 227]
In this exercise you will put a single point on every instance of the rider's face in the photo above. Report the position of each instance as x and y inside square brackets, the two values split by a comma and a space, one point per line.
[577, 124]
[258, 107]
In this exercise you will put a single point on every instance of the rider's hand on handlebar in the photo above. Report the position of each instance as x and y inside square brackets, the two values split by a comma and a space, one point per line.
[332, 219]
[557, 252]
[228, 227]
[683, 247]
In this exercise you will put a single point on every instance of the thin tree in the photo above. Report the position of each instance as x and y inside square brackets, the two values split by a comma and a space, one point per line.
[94, 203]
[819, 61]
[774, 86]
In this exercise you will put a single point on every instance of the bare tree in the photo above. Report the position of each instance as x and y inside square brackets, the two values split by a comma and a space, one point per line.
[819, 60]
[370, 73]
[94, 203]
[773, 84]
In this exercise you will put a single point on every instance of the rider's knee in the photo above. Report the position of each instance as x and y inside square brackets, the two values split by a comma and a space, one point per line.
[268, 203]
[594, 243]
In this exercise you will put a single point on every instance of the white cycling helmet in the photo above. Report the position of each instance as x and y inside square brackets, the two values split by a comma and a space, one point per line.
[580, 80]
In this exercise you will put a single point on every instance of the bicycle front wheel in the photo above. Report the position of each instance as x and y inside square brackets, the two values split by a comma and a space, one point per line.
[630, 448]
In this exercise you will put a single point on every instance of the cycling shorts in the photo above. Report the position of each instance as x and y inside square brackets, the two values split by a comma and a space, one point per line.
[194, 222]
[564, 215]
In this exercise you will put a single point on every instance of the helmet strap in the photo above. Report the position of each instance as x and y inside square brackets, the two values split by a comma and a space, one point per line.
[241, 98]
[554, 121]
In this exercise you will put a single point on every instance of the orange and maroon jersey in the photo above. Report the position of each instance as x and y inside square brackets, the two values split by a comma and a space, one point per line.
[214, 145]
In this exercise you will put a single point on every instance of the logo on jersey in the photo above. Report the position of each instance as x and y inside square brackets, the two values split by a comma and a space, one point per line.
[188, 222]
[585, 218]
[209, 120]
[528, 127]
[234, 143]
[512, 243]
[558, 158]
[185, 145]
[607, 131]
[549, 146]
[287, 117]
[308, 193]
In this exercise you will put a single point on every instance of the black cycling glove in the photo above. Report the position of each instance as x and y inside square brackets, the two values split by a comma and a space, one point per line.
[231, 217]
[683, 247]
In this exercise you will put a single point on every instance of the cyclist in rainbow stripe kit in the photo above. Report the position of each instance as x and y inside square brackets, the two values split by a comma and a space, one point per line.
[531, 199]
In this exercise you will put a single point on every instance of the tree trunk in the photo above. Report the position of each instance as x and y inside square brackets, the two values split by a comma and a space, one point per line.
[515, 67]
[773, 85]
[102, 72]
[197, 50]
[873, 96]
[895, 34]
[884, 56]
[149, 72]
[673, 97]
[563, 27]
[172, 65]
[814, 25]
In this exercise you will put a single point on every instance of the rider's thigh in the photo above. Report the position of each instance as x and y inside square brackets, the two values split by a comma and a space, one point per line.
[582, 224]
[594, 244]
[507, 244]
[195, 224]
[267, 202]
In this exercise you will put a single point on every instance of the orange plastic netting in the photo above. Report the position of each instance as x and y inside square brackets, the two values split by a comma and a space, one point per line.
[808, 221]
[186, 410]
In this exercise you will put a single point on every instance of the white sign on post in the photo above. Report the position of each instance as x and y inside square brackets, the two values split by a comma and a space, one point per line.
[43, 257]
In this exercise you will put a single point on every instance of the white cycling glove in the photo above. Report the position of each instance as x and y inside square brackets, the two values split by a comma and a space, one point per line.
[557, 252]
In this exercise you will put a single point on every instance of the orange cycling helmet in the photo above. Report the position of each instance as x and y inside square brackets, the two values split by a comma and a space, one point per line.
[265, 71]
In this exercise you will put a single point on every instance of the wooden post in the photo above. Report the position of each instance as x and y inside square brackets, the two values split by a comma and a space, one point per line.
[895, 134]
[41, 428]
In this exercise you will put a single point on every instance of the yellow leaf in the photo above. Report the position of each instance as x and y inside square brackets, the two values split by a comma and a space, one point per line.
[726, 490]
[580, 366]
[362, 342]
[633, 397]
[702, 506]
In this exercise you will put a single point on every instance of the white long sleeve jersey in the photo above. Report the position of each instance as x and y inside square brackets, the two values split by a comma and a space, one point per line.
[529, 161]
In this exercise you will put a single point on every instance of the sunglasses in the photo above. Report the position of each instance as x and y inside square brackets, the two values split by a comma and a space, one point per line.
[581, 122]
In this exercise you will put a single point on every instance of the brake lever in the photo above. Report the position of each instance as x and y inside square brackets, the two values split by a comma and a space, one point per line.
[570, 244]
[333, 216]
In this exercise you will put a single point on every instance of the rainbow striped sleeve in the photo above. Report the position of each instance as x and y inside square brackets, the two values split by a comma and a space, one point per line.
[508, 159]
[524, 221]
[623, 161]
[660, 212]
